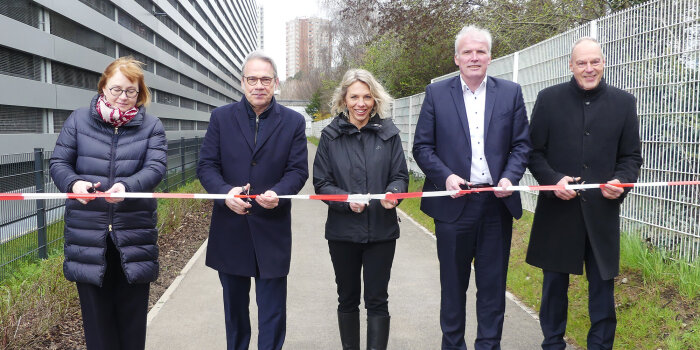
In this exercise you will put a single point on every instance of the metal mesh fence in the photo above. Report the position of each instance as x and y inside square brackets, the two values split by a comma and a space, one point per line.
[652, 51]
[31, 230]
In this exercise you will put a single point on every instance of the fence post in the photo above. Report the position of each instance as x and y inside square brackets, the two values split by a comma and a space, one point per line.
[196, 156]
[182, 159]
[40, 204]
[516, 65]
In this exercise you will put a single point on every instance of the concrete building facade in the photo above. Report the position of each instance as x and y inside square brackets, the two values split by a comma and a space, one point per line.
[308, 45]
[52, 53]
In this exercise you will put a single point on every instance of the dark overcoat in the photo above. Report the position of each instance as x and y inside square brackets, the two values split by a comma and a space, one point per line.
[231, 157]
[357, 161]
[594, 135]
[442, 145]
[134, 154]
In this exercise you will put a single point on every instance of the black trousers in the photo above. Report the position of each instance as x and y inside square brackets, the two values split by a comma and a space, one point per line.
[482, 234]
[374, 261]
[601, 307]
[114, 315]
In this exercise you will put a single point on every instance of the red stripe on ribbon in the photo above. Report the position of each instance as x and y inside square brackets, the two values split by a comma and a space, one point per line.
[330, 197]
[11, 197]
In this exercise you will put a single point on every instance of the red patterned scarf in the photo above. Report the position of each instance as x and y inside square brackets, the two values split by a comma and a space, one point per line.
[113, 115]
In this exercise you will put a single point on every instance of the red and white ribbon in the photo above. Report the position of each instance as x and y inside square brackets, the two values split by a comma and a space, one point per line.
[358, 198]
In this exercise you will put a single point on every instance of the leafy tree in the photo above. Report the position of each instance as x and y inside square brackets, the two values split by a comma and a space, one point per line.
[314, 105]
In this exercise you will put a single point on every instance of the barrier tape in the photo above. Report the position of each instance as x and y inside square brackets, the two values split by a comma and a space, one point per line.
[357, 198]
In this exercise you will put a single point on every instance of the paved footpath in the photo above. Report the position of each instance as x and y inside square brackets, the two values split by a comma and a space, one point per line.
[192, 316]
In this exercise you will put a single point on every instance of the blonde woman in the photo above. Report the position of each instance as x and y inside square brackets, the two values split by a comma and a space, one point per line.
[360, 152]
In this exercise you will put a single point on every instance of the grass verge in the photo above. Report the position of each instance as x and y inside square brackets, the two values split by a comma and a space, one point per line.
[313, 140]
[36, 296]
[657, 299]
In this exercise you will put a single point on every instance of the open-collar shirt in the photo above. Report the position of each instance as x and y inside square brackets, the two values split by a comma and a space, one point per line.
[475, 104]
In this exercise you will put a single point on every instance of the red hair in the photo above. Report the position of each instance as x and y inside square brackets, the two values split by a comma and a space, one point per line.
[131, 68]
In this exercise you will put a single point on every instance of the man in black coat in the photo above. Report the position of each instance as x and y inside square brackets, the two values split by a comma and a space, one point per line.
[583, 130]
[253, 146]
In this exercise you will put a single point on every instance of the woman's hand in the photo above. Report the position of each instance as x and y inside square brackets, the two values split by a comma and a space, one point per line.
[116, 188]
[84, 187]
[389, 203]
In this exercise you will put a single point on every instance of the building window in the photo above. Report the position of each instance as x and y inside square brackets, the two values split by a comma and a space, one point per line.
[64, 74]
[186, 81]
[187, 38]
[167, 98]
[71, 31]
[187, 103]
[203, 89]
[147, 4]
[59, 118]
[202, 125]
[187, 124]
[24, 11]
[187, 60]
[20, 120]
[147, 61]
[135, 26]
[167, 20]
[167, 46]
[170, 124]
[19, 64]
[167, 73]
[102, 6]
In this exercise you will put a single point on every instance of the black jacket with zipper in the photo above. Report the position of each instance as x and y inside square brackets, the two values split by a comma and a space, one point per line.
[360, 161]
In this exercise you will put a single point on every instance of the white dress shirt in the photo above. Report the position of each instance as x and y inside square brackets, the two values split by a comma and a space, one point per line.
[475, 104]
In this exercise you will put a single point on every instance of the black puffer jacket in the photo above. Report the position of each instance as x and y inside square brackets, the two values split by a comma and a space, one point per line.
[369, 160]
[135, 154]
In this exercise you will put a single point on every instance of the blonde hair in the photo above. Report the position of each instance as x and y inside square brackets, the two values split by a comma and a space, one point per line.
[382, 100]
[132, 70]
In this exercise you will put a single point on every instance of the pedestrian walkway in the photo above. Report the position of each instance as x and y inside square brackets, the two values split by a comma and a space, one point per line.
[192, 317]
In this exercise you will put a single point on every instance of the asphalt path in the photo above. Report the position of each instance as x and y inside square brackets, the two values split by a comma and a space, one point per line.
[190, 315]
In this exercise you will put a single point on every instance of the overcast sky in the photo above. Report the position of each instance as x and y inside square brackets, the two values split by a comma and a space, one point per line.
[275, 14]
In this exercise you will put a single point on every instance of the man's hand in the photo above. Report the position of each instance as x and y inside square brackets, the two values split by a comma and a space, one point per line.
[82, 187]
[116, 188]
[503, 184]
[452, 184]
[357, 207]
[238, 205]
[566, 194]
[612, 192]
[268, 200]
[389, 203]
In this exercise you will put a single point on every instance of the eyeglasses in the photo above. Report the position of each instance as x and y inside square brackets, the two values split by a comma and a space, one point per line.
[583, 64]
[130, 93]
[252, 81]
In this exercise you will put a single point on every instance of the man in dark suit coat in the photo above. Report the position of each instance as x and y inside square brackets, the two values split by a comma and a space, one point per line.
[582, 130]
[253, 146]
[472, 130]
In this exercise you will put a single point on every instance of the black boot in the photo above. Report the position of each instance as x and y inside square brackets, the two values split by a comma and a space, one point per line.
[377, 332]
[349, 324]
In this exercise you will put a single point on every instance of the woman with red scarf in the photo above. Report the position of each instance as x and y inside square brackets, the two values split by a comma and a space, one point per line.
[110, 244]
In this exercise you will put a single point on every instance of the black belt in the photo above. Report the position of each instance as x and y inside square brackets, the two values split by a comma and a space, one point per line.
[480, 185]
[467, 187]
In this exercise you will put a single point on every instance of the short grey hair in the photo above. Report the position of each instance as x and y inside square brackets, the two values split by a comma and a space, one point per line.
[473, 30]
[382, 99]
[586, 38]
[259, 55]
